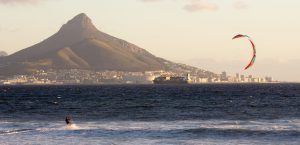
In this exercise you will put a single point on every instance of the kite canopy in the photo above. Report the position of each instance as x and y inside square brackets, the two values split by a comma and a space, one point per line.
[253, 47]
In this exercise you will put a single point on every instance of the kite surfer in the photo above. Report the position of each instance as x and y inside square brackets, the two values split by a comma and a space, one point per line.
[69, 120]
[70, 124]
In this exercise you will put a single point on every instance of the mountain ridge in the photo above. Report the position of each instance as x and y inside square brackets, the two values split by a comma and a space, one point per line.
[80, 45]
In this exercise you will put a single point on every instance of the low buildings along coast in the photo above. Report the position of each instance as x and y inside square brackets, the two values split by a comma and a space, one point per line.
[75, 76]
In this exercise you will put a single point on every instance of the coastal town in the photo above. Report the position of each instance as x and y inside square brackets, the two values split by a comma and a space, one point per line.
[76, 76]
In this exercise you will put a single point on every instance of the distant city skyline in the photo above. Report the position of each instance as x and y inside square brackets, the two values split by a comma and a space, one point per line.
[79, 76]
[187, 31]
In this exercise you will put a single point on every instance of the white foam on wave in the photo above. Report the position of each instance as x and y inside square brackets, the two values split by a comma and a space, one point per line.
[142, 132]
[14, 131]
[59, 126]
[263, 125]
[72, 127]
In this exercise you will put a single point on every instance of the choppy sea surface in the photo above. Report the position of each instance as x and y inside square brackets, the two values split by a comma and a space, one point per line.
[151, 114]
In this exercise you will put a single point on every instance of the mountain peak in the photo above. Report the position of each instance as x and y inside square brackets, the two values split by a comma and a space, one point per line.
[80, 22]
[81, 17]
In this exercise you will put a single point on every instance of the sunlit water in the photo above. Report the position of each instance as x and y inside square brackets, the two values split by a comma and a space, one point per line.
[189, 114]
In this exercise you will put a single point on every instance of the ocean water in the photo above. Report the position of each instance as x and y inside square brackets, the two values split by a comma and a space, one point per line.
[151, 114]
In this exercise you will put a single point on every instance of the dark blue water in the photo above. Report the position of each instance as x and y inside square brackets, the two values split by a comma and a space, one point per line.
[187, 114]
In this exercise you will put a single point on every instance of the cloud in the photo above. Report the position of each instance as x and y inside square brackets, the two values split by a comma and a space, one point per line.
[19, 1]
[200, 5]
[240, 5]
[194, 5]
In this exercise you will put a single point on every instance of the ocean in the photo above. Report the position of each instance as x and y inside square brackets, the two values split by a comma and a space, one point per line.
[151, 114]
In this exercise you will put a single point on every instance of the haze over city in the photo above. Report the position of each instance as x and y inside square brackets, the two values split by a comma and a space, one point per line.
[194, 32]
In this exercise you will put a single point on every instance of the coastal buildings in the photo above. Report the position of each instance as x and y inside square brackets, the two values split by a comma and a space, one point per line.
[76, 76]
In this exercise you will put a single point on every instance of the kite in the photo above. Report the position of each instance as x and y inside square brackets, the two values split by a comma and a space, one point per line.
[253, 47]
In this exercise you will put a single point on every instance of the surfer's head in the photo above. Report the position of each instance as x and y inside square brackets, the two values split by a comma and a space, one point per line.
[69, 120]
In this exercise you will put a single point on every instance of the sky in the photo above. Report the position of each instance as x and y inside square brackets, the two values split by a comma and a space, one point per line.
[195, 32]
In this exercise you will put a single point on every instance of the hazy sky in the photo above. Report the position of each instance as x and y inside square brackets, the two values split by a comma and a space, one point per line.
[196, 32]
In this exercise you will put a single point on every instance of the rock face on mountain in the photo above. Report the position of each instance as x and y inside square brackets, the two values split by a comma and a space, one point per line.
[2, 54]
[80, 45]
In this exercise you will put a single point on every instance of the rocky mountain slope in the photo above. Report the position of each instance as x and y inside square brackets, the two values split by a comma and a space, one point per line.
[80, 45]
